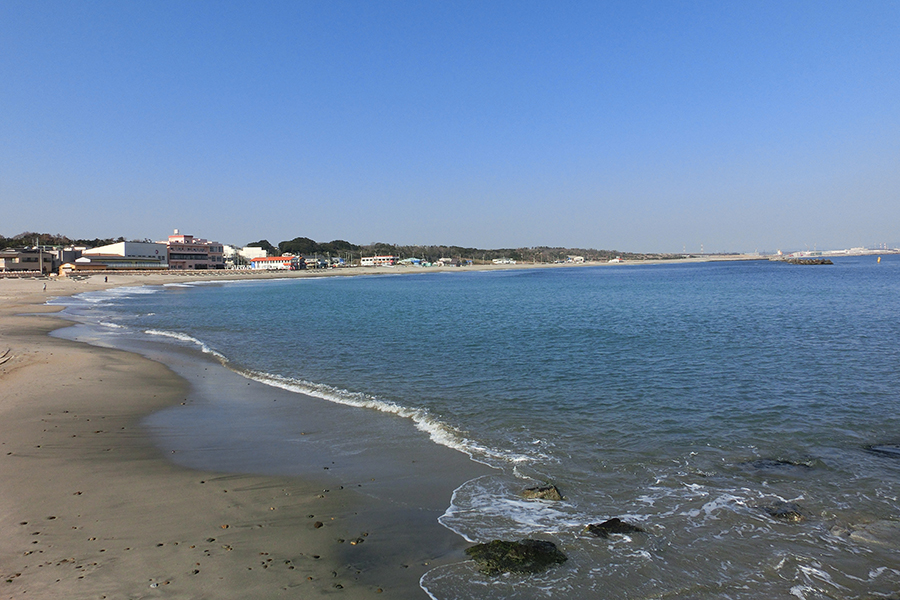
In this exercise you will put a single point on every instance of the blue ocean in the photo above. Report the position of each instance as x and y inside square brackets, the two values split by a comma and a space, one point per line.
[745, 415]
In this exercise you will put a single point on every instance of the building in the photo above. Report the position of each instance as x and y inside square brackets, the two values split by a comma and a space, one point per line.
[188, 252]
[23, 260]
[251, 252]
[121, 255]
[238, 257]
[278, 263]
[69, 254]
[376, 261]
[316, 261]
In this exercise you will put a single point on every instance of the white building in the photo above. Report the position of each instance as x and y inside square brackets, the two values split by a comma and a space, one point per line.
[235, 256]
[375, 261]
[278, 263]
[251, 252]
[125, 255]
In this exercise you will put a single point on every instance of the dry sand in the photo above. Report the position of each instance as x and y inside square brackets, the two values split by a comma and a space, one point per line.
[91, 508]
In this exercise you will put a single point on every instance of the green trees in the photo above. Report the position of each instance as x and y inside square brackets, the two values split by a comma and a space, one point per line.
[265, 245]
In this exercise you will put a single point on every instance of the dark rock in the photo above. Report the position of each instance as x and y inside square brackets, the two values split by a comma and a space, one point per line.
[777, 463]
[785, 511]
[892, 450]
[614, 525]
[526, 556]
[544, 492]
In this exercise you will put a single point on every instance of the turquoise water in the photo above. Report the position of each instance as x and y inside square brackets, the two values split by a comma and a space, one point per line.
[684, 398]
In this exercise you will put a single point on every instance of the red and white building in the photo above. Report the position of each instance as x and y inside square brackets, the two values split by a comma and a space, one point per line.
[278, 263]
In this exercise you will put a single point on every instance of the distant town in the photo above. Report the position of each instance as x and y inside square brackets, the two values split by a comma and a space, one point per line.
[44, 254]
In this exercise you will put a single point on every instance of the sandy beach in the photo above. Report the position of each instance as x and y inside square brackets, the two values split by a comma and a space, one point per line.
[92, 508]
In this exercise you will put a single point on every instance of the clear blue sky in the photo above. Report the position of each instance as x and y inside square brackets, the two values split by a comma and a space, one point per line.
[650, 126]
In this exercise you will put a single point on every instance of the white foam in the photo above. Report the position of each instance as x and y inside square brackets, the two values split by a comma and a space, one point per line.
[104, 296]
[490, 507]
[438, 431]
[187, 338]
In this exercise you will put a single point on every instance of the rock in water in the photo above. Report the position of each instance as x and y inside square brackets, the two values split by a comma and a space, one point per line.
[882, 533]
[614, 525]
[785, 511]
[777, 463]
[526, 556]
[545, 492]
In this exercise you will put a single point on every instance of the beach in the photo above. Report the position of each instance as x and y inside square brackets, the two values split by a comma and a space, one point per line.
[91, 507]
[145, 468]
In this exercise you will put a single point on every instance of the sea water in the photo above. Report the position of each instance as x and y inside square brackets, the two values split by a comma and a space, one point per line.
[691, 400]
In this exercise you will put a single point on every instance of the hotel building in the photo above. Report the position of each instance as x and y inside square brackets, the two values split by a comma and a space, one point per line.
[188, 252]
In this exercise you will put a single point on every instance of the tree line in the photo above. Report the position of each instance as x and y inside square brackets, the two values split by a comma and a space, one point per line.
[342, 248]
[30, 238]
[432, 253]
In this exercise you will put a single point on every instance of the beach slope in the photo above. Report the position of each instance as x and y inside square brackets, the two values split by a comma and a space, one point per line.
[91, 508]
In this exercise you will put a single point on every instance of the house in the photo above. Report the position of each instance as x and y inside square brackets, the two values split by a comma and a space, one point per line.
[26, 260]
[315, 261]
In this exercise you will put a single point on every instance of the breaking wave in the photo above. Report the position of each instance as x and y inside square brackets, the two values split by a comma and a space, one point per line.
[183, 337]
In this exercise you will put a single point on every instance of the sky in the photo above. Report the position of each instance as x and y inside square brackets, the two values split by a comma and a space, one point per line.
[659, 126]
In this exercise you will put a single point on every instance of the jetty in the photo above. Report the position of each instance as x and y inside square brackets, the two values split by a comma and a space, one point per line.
[804, 261]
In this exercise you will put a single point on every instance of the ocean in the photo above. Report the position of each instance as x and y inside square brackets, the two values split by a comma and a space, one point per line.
[701, 402]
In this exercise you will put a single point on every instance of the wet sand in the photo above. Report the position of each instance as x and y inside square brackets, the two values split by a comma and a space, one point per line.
[94, 504]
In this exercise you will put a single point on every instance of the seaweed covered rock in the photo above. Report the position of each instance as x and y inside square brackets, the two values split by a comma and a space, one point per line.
[785, 511]
[544, 492]
[526, 556]
[614, 525]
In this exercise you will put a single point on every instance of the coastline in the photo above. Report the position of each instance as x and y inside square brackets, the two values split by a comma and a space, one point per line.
[94, 507]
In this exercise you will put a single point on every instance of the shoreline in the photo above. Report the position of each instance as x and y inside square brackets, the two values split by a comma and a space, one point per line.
[94, 507]
[152, 277]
